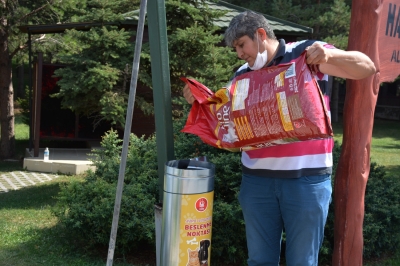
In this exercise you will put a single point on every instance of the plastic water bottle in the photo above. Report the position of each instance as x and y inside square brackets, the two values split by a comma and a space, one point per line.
[46, 154]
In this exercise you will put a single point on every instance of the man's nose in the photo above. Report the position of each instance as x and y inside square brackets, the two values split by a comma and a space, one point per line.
[239, 53]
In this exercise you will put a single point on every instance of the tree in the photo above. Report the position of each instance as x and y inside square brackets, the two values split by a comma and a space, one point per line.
[338, 15]
[95, 80]
[14, 13]
[98, 68]
[196, 49]
[329, 19]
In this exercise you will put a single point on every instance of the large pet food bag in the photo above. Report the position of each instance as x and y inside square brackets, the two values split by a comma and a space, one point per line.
[267, 107]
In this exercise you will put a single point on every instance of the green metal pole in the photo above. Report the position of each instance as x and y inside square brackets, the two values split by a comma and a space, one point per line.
[161, 85]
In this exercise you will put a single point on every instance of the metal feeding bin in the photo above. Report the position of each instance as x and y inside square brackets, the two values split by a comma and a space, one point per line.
[187, 213]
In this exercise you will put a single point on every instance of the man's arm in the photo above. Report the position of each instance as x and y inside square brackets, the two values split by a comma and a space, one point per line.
[339, 63]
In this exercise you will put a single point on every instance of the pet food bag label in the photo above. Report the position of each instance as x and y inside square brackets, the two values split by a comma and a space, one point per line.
[267, 107]
[195, 229]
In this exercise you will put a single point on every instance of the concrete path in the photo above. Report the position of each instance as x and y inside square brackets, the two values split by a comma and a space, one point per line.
[19, 179]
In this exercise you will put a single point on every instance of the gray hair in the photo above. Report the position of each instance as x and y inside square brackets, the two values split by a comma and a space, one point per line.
[246, 23]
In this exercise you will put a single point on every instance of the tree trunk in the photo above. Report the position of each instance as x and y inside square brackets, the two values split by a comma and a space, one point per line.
[358, 118]
[7, 141]
[20, 91]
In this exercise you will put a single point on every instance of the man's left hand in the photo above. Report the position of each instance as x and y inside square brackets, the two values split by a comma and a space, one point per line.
[317, 54]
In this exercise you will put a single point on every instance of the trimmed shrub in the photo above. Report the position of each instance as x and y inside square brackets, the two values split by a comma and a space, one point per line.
[382, 213]
[86, 207]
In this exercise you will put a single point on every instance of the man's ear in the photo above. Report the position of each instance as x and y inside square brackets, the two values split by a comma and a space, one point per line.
[262, 35]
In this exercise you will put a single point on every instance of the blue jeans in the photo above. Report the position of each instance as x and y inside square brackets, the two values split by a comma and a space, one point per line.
[299, 206]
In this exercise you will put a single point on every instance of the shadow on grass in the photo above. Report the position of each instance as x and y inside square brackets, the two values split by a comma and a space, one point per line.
[56, 246]
[8, 166]
[20, 148]
[393, 170]
[386, 128]
[389, 146]
[33, 197]
[48, 246]
[33, 243]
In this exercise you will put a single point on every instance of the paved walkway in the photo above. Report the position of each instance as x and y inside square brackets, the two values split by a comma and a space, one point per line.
[18, 179]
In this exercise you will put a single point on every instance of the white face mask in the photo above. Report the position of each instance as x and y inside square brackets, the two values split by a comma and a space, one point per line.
[261, 59]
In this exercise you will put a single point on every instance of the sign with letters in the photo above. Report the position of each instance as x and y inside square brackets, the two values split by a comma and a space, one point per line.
[389, 40]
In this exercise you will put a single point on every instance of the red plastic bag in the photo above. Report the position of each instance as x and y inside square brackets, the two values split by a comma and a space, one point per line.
[267, 107]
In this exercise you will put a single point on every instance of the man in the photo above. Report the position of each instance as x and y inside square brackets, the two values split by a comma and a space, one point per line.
[287, 187]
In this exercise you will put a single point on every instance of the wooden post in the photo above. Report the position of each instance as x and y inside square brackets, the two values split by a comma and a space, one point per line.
[37, 103]
[375, 31]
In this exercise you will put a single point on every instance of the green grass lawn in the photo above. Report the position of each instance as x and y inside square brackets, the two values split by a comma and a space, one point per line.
[385, 150]
[385, 144]
[30, 235]
[21, 136]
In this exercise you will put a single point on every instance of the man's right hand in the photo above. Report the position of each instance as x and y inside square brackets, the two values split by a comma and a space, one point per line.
[188, 94]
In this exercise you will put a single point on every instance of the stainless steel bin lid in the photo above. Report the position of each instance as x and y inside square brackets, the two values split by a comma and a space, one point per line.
[189, 176]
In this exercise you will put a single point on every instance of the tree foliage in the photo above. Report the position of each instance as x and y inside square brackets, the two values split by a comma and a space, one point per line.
[94, 80]
[336, 23]
[329, 19]
[98, 61]
[13, 14]
[195, 48]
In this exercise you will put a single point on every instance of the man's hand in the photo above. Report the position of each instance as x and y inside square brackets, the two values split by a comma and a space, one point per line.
[188, 94]
[339, 63]
[317, 54]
